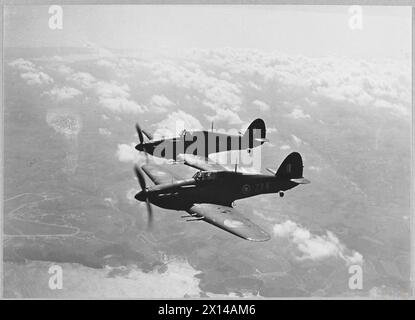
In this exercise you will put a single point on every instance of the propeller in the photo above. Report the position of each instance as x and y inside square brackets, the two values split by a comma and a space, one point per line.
[141, 180]
[141, 139]
[139, 133]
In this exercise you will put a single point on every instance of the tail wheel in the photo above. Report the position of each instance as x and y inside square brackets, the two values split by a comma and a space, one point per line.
[281, 194]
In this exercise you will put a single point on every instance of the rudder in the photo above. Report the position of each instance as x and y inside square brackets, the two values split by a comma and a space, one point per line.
[255, 135]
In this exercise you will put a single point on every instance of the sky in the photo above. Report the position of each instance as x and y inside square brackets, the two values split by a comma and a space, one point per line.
[310, 30]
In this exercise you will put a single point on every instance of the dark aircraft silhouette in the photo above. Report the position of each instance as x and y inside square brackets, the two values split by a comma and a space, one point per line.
[202, 143]
[209, 195]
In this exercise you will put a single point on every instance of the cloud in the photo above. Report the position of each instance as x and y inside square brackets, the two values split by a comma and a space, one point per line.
[175, 123]
[298, 114]
[115, 97]
[30, 72]
[254, 85]
[111, 95]
[63, 93]
[316, 247]
[285, 147]
[122, 105]
[36, 78]
[23, 65]
[225, 115]
[262, 105]
[111, 89]
[218, 94]
[128, 153]
[358, 82]
[314, 168]
[104, 131]
[106, 63]
[64, 70]
[83, 79]
[296, 139]
[160, 103]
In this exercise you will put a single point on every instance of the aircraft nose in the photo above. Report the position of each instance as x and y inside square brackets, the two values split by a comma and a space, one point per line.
[140, 147]
[140, 196]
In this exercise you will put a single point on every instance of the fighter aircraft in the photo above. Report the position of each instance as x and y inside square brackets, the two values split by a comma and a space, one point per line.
[202, 143]
[209, 195]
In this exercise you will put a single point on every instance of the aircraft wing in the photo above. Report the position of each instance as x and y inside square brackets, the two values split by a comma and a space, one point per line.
[201, 163]
[159, 174]
[228, 219]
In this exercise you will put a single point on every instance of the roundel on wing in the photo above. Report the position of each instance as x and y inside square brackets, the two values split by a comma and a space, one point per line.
[246, 188]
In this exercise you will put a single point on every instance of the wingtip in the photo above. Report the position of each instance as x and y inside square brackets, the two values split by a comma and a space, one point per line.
[265, 237]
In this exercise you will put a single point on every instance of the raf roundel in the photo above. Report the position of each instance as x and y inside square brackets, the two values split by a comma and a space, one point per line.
[246, 188]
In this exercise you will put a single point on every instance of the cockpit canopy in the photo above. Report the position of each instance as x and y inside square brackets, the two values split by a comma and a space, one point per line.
[214, 175]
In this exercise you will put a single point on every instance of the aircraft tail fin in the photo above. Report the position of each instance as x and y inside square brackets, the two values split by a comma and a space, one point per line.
[256, 133]
[292, 168]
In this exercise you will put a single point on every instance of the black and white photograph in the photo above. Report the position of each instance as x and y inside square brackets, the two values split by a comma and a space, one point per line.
[207, 151]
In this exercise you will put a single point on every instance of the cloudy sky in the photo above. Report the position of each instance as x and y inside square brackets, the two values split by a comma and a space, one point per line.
[385, 31]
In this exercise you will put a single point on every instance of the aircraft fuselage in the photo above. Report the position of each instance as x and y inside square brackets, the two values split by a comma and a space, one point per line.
[183, 194]
[201, 143]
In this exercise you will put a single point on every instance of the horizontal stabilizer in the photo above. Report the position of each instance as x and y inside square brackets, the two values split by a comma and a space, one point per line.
[195, 219]
[300, 180]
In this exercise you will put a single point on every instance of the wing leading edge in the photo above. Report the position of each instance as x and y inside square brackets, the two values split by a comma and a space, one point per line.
[201, 163]
[229, 219]
[159, 174]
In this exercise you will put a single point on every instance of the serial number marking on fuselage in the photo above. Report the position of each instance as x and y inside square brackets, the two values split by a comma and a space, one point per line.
[257, 187]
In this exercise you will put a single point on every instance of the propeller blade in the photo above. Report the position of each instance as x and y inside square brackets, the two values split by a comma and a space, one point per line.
[149, 214]
[139, 133]
[147, 134]
[142, 182]
[140, 177]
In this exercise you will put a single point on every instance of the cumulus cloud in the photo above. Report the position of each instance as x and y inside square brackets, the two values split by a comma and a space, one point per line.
[63, 93]
[160, 103]
[111, 95]
[261, 105]
[225, 115]
[64, 69]
[106, 63]
[218, 94]
[23, 65]
[375, 83]
[36, 78]
[83, 79]
[316, 247]
[175, 123]
[115, 97]
[298, 114]
[128, 153]
[30, 72]
[122, 105]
